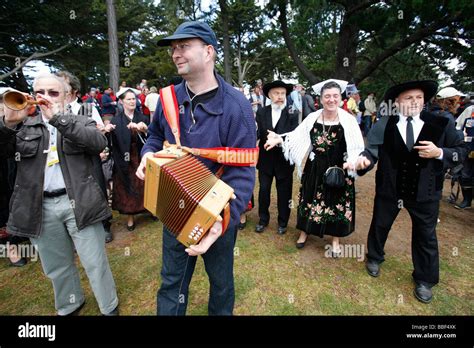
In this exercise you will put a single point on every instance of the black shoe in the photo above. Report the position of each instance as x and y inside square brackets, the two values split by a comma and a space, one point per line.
[131, 228]
[242, 225]
[301, 245]
[260, 228]
[373, 268]
[20, 263]
[281, 230]
[423, 293]
[463, 205]
[451, 200]
[467, 199]
[108, 237]
[114, 313]
[336, 254]
[76, 311]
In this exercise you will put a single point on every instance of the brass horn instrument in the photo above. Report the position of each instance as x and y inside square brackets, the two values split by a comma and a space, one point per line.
[18, 101]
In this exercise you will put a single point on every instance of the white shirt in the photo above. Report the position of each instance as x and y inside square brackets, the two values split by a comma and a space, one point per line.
[151, 101]
[276, 113]
[53, 176]
[417, 123]
[461, 120]
[75, 107]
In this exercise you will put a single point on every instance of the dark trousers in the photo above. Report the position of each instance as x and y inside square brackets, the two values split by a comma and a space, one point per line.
[177, 271]
[424, 244]
[284, 190]
[467, 173]
[365, 124]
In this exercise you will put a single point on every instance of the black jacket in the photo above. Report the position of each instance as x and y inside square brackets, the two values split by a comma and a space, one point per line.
[404, 175]
[78, 141]
[273, 160]
[308, 105]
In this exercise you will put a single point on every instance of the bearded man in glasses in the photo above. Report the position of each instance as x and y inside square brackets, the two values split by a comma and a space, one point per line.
[56, 202]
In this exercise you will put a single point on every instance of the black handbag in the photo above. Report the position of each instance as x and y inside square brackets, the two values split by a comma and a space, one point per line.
[334, 177]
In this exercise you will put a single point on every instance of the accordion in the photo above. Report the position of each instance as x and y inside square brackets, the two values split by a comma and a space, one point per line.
[184, 194]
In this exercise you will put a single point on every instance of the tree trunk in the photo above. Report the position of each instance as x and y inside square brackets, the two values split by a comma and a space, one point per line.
[282, 18]
[346, 55]
[239, 64]
[114, 69]
[225, 30]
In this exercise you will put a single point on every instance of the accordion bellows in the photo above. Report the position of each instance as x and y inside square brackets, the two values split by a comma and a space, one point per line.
[184, 194]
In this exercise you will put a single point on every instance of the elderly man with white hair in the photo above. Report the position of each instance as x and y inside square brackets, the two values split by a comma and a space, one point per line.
[56, 202]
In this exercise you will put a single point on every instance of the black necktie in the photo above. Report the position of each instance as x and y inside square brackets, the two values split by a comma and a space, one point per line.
[410, 138]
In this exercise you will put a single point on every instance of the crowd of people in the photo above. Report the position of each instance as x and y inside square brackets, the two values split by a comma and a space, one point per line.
[88, 156]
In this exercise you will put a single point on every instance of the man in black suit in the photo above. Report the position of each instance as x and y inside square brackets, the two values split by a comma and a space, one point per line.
[275, 117]
[413, 148]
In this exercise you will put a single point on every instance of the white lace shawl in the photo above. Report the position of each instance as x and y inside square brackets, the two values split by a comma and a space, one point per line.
[297, 144]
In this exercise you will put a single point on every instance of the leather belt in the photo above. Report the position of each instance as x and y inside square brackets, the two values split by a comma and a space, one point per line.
[55, 193]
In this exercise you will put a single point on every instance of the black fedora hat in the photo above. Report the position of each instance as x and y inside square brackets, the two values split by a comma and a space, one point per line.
[268, 86]
[429, 88]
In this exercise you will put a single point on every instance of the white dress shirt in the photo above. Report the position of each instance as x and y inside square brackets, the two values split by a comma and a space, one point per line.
[417, 124]
[151, 101]
[53, 176]
[276, 113]
[75, 107]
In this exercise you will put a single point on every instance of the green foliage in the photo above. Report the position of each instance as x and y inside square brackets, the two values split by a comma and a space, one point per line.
[256, 40]
[443, 31]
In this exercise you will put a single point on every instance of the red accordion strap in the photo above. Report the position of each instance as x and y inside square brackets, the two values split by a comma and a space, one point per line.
[230, 156]
[171, 110]
[225, 218]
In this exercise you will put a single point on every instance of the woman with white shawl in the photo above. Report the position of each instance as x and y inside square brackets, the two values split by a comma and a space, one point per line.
[326, 138]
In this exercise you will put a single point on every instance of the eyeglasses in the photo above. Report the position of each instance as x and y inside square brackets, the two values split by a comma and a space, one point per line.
[51, 93]
[182, 47]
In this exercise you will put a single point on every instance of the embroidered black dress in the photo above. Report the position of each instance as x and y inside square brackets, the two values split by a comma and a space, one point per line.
[323, 211]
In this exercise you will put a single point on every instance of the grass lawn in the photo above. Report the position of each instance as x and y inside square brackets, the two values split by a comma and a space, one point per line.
[272, 277]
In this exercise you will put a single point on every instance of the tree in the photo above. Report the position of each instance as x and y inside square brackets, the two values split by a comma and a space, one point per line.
[383, 29]
[240, 29]
[142, 58]
[79, 25]
[224, 20]
[113, 45]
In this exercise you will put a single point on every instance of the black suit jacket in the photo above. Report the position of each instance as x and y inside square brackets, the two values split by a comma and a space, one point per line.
[273, 160]
[423, 176]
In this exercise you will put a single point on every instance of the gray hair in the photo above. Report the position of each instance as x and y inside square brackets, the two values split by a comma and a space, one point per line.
[62, 82]
[72, 80]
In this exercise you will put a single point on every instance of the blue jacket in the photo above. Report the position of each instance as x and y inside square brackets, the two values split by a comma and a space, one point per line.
[107, 107]
[225, 120]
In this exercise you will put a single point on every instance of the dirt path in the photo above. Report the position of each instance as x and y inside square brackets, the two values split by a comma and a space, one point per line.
[454, 224]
